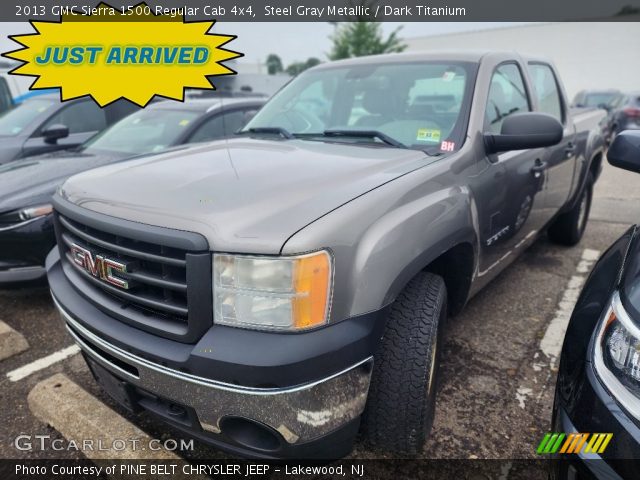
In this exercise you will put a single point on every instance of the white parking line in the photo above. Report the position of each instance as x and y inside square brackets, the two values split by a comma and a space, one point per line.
[41, 363]
[551, 343]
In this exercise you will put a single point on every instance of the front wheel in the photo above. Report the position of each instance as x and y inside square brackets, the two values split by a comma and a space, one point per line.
[569, 227]
[401, 402]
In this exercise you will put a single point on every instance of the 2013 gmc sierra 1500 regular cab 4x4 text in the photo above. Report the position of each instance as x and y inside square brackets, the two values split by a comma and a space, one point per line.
[274, 293]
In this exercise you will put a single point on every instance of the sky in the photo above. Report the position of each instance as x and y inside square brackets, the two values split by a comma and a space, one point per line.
[292, 41]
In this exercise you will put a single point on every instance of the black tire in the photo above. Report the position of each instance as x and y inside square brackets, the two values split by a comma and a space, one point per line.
[401, 402]
[569, 227]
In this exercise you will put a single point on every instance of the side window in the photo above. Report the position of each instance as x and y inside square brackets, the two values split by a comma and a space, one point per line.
[118, 110]
[618, 101]
[6, 102]
[234, 121]
[221, 126]
[507, 95]
[80, 117]
[546, 90]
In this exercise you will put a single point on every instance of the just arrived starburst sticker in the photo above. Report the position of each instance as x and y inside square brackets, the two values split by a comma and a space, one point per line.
[115, 54]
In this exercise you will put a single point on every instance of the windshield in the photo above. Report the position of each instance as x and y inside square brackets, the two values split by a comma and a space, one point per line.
[15, 121]
[145, 131]
[419, 105]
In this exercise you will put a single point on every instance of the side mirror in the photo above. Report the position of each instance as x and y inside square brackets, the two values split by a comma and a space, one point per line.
[55, 132]
[624, 152]
[524, 130]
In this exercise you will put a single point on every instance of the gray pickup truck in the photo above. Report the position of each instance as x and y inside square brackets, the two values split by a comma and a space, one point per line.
[277, 293]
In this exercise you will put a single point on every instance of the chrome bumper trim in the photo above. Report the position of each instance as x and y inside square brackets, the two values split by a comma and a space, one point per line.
[301, 413]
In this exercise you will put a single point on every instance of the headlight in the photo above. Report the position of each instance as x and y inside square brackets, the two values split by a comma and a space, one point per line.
[20, 216]
[34, 212]
[274, 293]
[617, 356]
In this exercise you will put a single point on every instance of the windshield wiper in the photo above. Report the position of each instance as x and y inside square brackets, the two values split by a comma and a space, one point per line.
[277, 130]
[365, 134]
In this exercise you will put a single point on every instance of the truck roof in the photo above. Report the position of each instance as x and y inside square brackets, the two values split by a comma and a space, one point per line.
[446, 55]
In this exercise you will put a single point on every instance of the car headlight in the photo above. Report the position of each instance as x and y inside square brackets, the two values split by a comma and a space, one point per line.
[617, 356]
[28, 213]
[35, 212]
[273, 293]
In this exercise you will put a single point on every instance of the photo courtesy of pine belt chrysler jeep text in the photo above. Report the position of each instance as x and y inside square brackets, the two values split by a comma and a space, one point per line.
[275, 293]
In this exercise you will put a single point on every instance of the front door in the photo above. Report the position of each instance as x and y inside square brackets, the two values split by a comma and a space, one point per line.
[511, 205]
[83, 118]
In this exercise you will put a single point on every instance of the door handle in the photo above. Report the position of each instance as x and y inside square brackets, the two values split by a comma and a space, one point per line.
[569, 149]
[538, 168]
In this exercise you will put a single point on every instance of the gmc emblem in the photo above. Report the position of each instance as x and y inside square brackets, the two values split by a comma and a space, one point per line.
[99, 266]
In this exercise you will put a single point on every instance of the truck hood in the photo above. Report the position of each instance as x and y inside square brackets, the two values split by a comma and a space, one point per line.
[243, 195]
[33, 180]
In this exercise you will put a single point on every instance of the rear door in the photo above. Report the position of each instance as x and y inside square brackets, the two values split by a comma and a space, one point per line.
[511, 203]
[560, 160]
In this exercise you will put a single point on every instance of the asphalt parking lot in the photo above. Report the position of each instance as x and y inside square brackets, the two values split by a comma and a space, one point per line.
[498, 371]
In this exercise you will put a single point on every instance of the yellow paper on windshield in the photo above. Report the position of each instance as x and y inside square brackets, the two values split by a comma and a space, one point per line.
[428, 135]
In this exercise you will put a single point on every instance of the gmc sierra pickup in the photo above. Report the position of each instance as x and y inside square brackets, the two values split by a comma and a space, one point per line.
[275, 293]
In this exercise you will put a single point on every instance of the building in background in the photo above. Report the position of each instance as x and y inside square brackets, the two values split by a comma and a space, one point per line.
[598, 55]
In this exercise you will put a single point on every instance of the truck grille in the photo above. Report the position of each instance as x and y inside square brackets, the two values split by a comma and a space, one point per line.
[157, 274]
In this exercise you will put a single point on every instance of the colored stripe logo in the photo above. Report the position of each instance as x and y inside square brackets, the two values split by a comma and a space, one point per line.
[574, 443]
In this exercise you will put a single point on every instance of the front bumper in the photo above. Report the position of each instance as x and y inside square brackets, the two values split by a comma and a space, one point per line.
[303, 393]
[596, 411]
[23, 249]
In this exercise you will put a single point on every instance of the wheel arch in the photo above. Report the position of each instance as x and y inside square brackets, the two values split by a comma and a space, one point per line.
[595, 166]
[456, 267]
[455, 264]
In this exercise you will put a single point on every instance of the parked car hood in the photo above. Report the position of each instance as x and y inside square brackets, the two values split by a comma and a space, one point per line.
[10, 148]
[34, 180]
[243, 195]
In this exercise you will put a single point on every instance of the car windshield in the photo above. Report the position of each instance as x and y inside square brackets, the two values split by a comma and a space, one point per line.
[14, 121]
[417, 105]
[145, 131]
[598, 99]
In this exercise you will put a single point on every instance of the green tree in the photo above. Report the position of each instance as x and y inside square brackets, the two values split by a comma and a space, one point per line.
[298, 67]
[312, 62]
[274, 64]
[628, 10]
[356, 39]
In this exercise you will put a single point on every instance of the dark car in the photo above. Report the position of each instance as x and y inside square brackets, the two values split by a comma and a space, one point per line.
[597, 98]
[44, 124]
[625, 115]
[598, 387]
[26, 186]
